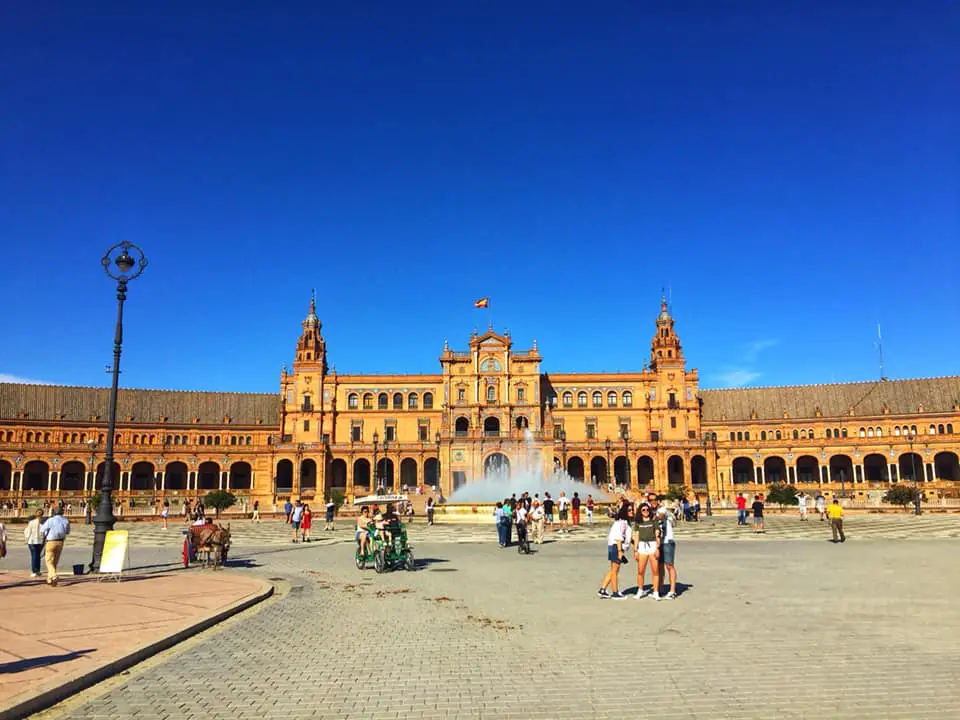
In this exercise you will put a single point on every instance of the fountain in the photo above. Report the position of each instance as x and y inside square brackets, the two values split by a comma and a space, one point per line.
[475, 499]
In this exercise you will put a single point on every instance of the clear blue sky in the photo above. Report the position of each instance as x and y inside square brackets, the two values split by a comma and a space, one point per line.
[790, 170]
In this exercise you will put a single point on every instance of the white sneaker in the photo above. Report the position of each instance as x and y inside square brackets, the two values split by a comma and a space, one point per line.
[655, 596]
[34, 575]
[670, 596]
[641, 594]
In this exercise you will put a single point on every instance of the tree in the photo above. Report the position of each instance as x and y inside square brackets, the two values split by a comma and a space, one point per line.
[902, 495]
[677, 492]
[782, 494]
[220, 500]
[335, 495]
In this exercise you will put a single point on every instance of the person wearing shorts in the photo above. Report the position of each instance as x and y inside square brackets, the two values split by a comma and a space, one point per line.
[618, 540]
[548, 508]
[363, 532]
[590, 509]
[757, 509]
[668, 551]
[295, 517]
[646, 531]
[563, 503]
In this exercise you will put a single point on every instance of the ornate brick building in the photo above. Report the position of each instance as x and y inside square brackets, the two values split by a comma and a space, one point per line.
[490, 405]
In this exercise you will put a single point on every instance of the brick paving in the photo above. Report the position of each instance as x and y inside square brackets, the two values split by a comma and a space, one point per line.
[790, 629]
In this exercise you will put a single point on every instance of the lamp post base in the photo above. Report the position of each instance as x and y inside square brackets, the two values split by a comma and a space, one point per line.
[103, 523]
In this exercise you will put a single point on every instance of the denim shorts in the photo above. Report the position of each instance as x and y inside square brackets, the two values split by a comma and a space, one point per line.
[668, 553]
[612, 554]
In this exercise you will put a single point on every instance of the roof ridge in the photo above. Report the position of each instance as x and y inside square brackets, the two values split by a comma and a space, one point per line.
[136, 389]
[885, 381]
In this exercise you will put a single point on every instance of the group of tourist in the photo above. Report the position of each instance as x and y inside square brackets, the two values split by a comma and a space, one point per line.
[646, 527]
[833, 512]
[45, 536]
[531, 516]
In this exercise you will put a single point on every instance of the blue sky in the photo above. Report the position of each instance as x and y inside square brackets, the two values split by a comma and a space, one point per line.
[791, 174]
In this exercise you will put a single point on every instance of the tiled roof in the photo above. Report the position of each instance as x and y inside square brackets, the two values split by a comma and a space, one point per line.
[46, 402]
[834, 401]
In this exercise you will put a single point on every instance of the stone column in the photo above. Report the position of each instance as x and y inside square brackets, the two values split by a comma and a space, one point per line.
[349, 489]
[763, 479]
[222, 480]
[162, 480]
[892, 472]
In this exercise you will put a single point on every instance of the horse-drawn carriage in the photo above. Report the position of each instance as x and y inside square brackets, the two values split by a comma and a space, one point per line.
[207, 544]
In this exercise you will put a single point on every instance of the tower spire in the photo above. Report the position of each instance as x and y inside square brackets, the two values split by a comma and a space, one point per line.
[312, 320]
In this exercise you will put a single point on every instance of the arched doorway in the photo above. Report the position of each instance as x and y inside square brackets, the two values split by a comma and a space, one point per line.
[36, 476]
[240, 476]
[430, 468]
[385, 473]
[742, 471]
[808, 470]
[841, 469]
[6, 475]
[208, 476]
[522, 423]
[408, 473]
[461, 427]
[491, 427]
[675, 470]
[361, 474]
[142, 476]
[175, 477]
[875, 468]
[338, 473]
[114, 475]
[946, 466]
[910, 466]
[308, 476]
[497, 466]
[575, 467]
[698, 472]
[598, 471]
[620, 470]
[775, 470]
[284, 479]
[644, 470]
[71, 477]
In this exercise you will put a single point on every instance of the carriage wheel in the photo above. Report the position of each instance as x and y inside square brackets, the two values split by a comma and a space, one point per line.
[186, 552]
[380, 561]
[411, 562]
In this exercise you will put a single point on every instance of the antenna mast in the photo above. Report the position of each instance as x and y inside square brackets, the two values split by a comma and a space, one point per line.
[880, 351]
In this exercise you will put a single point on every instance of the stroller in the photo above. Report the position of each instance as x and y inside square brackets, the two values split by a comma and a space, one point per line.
[523, 539]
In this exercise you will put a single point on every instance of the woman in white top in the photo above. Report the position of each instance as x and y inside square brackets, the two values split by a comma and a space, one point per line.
[618, 540]
[31, 533]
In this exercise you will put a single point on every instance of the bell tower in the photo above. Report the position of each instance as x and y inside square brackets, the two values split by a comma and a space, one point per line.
[303, 391]
[665, 350]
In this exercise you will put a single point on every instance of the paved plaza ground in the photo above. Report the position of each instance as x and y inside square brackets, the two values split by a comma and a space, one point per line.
[787, 625]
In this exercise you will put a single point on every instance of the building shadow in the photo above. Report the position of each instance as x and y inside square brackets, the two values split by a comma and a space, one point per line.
[42, 661]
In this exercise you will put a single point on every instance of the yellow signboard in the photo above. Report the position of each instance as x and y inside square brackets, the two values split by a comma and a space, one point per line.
[114, 552]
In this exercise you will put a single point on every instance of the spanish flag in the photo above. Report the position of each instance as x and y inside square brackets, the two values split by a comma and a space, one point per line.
[482, 303]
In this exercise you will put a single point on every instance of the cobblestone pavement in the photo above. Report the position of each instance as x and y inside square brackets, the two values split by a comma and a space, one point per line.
[724, 527]
[799, 629]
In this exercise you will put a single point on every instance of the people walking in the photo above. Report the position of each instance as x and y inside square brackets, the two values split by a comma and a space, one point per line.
[757, 508]
[430, 511]
[821, 505]
[31, 533]
[256, 511]
[835, 513]
[329, 512]
[296, 515]
[288, 509]
[563, 504]
[802, 504]
[646, 532]
[306, 522]
[508, 521]
[54, 533]
[165, 513]
[741, 509]
[500, 521]
[618, 540]
[548, 509]
[668, 552]
[536, 522]
[590, 509]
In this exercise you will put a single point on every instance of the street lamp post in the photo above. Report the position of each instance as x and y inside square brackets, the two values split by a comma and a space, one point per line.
[122, 266]
[563, 447]
[706, 440]
[913, 467]
[606, 444]
[386, 456]
[626, 454]
[376, 470]
[437, 439]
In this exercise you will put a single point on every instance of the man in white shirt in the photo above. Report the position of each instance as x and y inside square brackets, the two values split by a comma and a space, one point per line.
[537, 517]
[563, 505]
[802, 503]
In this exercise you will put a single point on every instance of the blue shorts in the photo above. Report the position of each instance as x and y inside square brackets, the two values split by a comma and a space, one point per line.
[668, 553]
[612, 554]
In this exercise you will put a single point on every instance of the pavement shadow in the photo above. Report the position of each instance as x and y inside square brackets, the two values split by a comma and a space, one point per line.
[426, 562]
[42, 661]
[242, 563]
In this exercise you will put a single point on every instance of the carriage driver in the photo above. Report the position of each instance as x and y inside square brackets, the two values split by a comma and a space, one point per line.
[363, 534]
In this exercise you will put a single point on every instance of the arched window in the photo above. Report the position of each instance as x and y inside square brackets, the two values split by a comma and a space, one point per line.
[913, 429]
[491, 393]
[117, 439]
[778, 435]
[803, 434]
[581, 399]
[568, 399]
[796, 435]
[611, 399]
[368, 401]
[382, 401]
[949, 428]
[810, 433]
[739, 436]
[428, 401]
[763, 434]
[216, 440]
[940, 429]
[896, 430]
[829, 433]
[863, 433]
[843, 432]
[628, 399]
[413, 400]
[397, 401]
[203, 440]
[746, 435]
[233, 439]
[733, 436]
[353, 401]
[597, 399]
[933, 430]
[176, 439]
[879, 432]
[869, 432]
[29, 437]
